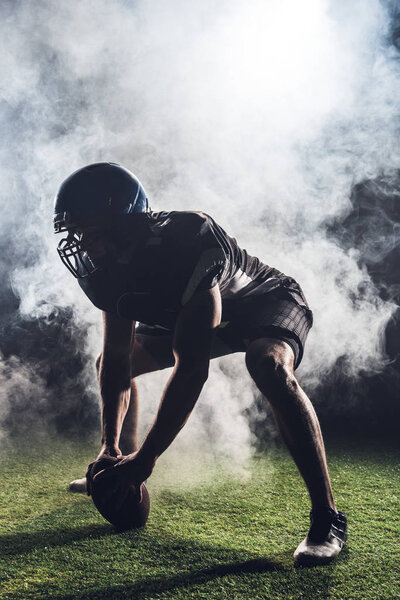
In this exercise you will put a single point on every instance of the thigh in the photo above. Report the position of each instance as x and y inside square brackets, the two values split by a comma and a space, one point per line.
[275, 351]
[270, 362]
[276, 316]
[152, 349]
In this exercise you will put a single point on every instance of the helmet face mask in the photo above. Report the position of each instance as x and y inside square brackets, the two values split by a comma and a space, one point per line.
[102, 194]
[62, 221]
[77, 261]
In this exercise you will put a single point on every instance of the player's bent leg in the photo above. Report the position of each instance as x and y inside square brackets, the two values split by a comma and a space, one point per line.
[141, 362]
[128, 440]
[271, 365]
[78, 486]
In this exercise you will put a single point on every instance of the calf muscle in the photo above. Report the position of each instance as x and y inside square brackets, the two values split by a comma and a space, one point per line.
[270, 363]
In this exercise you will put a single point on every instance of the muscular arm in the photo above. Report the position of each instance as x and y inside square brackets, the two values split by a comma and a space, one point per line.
[114, 379]
[193, 338]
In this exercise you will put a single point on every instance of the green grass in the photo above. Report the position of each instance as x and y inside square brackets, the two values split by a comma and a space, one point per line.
[218, 535]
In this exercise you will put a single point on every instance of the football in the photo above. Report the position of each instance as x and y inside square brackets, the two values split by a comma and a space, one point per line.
[132, 513]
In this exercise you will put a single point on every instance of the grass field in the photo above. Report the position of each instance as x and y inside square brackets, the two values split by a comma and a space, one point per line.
[219, 535]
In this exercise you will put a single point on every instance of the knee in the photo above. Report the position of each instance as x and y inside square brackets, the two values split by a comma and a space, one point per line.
[271, 368]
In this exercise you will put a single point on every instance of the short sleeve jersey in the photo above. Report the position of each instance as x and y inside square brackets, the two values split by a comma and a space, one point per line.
[176, 254]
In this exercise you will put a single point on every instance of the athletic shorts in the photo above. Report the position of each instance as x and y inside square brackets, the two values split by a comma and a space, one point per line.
[282, 314]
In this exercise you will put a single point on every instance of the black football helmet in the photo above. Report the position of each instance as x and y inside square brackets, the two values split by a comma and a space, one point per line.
[93, 195]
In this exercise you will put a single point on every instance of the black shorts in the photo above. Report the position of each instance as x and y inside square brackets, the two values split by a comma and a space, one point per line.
[281, 314]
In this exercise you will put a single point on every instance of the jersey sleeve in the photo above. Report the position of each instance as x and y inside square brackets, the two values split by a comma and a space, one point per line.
[210, 258]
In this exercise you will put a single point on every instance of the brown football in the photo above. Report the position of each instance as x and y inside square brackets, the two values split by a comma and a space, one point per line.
[134, 510]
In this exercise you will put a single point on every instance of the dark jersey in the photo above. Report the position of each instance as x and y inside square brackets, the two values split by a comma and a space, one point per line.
[171, 256]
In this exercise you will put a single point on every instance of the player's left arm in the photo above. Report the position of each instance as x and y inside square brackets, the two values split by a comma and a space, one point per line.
[192, 342]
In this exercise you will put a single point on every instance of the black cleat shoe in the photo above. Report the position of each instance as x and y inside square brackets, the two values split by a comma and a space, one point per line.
[325, 539]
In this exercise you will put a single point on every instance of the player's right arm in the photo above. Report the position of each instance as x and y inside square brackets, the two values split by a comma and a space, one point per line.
[193, 337]
[114, 379]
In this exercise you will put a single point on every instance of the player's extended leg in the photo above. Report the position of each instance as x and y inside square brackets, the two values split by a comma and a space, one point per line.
[270, 363]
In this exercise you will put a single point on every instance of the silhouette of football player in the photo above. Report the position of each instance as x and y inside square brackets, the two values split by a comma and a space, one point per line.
[195, 295]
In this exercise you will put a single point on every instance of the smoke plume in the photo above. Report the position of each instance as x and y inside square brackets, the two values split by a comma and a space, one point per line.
[264, 114]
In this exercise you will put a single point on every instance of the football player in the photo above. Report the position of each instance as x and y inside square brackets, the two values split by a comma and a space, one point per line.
[195, 295]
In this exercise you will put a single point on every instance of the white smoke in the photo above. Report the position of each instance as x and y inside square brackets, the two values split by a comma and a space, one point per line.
[263, 114]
